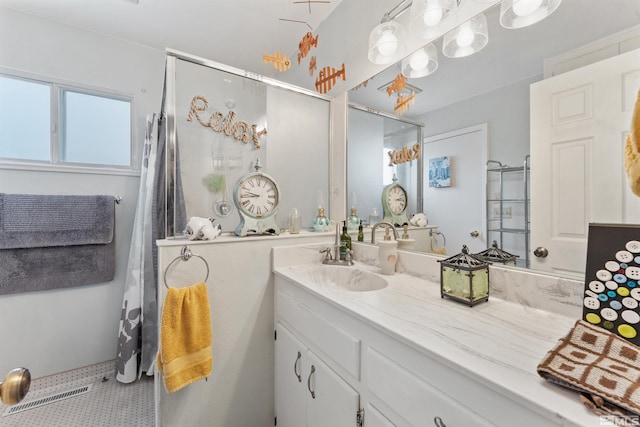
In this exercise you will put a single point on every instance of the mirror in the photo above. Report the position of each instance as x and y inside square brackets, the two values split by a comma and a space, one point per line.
[492, 86]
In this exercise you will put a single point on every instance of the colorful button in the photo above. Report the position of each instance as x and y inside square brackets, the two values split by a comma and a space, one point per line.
[604, 275]
[612, 294]
[610, 284]
[633, 246]
[609, 314]
[603, 297]
[624, 256]
[593, 318]
[633, 273]
[629, 302]
[592, 303]
[637, 260]
[612, 266]
[620, 278]
[623, 265]
[616, 305]
[630, 316]
[607, 324]
[631, 284]
[596, 286]
[622, 292]
[627, 331]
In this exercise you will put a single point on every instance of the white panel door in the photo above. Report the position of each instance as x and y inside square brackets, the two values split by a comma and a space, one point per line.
[330, 400]
[458, 210]
[290, 386]
[579, 121]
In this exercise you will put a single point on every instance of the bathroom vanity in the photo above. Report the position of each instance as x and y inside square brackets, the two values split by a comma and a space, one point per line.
[358, 348]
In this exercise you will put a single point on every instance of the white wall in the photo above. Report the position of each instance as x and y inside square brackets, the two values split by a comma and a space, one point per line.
[58, 330]
[505, 110]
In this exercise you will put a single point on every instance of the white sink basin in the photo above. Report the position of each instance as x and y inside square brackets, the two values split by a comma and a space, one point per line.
[343, 277]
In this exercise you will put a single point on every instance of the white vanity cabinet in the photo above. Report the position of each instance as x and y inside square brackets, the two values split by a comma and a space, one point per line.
[395, 381]
[309, 392]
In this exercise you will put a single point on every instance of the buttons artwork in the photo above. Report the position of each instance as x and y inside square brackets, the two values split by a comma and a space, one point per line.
[611, 297]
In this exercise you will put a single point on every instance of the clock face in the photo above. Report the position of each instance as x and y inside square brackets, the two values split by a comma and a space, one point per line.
[397, 199]
[257, 196]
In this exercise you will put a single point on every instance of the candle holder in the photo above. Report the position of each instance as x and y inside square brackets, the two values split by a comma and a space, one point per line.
[464, 278]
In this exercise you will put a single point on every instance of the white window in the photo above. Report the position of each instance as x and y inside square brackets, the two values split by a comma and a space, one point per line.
[49, 123]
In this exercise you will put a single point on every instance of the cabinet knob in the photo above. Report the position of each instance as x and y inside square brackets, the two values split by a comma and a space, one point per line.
[295, 367]
[541, 252]
[437, 421]
[313, 393]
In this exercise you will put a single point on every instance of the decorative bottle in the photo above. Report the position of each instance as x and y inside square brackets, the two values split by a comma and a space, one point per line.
[353, 221]
[321, 222]
[345, 242]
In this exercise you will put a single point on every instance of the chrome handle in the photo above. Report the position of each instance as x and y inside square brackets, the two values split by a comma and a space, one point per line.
[474, 233]
[295, 367]
[438, 422]
[313, 393]
[541, 252]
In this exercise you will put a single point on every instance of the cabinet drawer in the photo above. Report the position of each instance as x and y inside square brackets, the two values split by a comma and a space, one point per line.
[339, 346]
[413, 401]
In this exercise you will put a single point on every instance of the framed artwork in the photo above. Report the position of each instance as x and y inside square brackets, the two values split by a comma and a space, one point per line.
[440, 172]
[612, 280]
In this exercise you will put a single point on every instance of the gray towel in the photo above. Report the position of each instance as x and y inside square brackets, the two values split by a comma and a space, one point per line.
[35, 221]
[54, 242]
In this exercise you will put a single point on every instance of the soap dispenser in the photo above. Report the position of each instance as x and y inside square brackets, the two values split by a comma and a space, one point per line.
[388, 253]
[406, 242]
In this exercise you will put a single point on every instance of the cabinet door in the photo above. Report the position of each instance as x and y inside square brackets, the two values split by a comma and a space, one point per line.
[290, 383]
[330, 400]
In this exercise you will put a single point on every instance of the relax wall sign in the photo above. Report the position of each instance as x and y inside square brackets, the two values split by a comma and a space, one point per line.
[218, 122]
[406, 154]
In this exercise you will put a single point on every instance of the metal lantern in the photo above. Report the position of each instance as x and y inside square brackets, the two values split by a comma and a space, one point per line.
[496, 255]
[464, 278]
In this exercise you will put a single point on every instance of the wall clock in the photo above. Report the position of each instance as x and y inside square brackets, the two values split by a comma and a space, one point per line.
[256, 195]
[394, 204]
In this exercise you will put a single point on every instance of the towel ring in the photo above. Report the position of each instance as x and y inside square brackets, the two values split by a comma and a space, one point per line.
[185, 255]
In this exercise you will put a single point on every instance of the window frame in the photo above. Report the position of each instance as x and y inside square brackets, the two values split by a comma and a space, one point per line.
[57, 87]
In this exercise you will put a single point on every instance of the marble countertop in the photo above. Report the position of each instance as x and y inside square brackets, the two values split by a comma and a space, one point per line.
[496, 343]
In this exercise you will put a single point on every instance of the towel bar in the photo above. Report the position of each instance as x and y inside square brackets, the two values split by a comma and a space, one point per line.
[185, 255]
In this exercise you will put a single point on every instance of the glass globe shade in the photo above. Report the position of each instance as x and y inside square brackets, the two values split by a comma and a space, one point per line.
[432, 17]
[388, 43]
[526, 7]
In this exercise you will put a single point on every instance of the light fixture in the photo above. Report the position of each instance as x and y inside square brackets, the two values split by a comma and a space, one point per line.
[387, 40]
[522, 13]
[427, 16]
[467, 38]
[420, 63]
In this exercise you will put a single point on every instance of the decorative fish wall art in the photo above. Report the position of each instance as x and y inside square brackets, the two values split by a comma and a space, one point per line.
[312, 65]
[328, 77]
[305, 45]
[279, 60]
[398, 84]
[403, 102]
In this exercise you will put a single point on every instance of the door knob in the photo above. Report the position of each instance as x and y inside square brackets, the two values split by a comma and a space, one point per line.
[474, 233]
[541, 252]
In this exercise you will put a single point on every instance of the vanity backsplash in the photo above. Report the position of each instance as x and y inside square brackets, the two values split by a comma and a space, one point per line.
[538, 291]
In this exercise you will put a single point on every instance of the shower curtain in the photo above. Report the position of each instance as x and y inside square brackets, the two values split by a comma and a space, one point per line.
[138, 336]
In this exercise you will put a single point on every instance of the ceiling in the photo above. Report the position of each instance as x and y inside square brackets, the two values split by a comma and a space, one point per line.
[238, 32]
[232, 32]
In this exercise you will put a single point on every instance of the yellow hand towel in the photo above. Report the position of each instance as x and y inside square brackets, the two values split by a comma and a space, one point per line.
[185, 337]
[632, 150]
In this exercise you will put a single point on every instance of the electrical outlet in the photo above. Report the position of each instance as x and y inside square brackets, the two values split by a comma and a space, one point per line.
[506, 212]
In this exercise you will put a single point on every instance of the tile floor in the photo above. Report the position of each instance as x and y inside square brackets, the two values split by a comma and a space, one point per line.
[108, 404]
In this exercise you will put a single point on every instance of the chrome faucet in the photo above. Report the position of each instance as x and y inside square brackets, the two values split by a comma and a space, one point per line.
[385, 224]
[335, 259]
